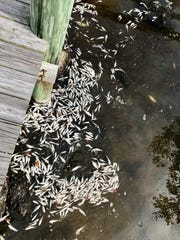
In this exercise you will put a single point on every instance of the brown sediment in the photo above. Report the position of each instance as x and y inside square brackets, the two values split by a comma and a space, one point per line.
[18, 197]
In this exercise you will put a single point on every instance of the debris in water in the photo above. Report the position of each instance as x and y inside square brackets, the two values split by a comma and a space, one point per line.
[174, 65]
[144, 117]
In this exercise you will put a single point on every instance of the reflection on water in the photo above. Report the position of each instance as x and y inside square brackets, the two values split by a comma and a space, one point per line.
[165, 149]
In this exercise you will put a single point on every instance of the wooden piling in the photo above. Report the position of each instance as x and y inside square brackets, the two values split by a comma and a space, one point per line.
[49, 20]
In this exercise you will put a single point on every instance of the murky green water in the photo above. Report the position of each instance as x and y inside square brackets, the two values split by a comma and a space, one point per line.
[148, 101]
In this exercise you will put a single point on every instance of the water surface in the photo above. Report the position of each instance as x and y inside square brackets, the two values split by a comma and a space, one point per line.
[145, 99]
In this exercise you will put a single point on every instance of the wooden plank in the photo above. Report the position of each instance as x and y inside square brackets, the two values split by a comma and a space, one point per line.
[14, 10]
[9, 133]
[20, 34]
[19, 58]
[11, 79]
[4, 165]
[12, 109]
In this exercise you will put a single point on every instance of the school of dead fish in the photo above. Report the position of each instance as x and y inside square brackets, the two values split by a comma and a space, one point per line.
[65, 124]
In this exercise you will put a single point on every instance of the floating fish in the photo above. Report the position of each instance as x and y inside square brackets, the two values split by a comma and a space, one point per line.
[79, 230]
[152, 98]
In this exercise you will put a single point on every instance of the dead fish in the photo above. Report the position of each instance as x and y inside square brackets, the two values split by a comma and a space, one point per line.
[30, 227]
[3, 218]
[81, 24]
[75, 168]
[12, 228]
[40, 221]
[152, 98]
[53, 221]
[78, 231]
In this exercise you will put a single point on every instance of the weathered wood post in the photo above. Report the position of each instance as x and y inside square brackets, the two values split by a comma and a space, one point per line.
[49, 20]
